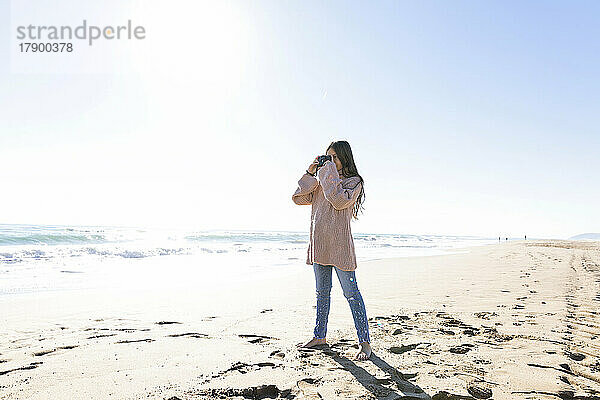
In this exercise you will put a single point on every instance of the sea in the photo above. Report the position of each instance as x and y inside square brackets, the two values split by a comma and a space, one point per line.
[36, 258]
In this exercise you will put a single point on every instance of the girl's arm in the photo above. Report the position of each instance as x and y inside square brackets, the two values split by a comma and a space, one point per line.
[340, 194]
[304, 193]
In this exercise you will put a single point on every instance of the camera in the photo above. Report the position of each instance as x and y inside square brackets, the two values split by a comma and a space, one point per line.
[321, 160]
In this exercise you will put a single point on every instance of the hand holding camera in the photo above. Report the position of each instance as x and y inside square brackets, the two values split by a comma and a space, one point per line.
[321, 160]
[318, 163]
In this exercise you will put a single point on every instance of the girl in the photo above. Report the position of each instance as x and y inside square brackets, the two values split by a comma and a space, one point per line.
[336, 193]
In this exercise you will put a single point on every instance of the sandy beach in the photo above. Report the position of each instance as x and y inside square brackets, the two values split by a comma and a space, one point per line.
[516, 320]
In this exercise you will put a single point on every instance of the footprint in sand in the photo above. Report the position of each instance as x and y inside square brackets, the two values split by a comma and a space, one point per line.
[131, 329]
[243, 367]
[462, 349]
[277, 354]
[101, 336]
[190, 334]
[308, 387]
[135, 341]
[575, 356]
[485, 314]
[30, 366]
[446, 332]
[479, 391]
[256, 338]
[254, 392]
[43, 353]
[403, 349]
[443, 395]
[471, 332]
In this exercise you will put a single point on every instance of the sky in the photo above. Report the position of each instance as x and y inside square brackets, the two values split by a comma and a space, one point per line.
[464, 117]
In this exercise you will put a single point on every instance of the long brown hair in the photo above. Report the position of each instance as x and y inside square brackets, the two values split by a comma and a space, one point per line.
[344, 154]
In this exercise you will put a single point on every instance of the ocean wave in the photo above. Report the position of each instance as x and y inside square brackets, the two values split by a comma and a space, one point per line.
[30, 243]
[49, 239]
[22, 255]
[246, 237]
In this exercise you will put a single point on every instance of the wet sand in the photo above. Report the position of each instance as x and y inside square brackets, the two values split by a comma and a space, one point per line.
[515, 320]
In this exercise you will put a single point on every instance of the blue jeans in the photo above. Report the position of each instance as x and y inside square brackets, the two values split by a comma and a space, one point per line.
[355, 300]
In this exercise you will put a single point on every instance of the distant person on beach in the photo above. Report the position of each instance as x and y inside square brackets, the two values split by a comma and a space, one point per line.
[335, 191]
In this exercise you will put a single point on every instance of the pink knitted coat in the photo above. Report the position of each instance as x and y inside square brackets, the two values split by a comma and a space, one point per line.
[332, 200]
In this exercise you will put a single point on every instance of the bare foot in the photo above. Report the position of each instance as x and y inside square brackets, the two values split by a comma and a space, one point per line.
[364, 353]
[313, 342]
